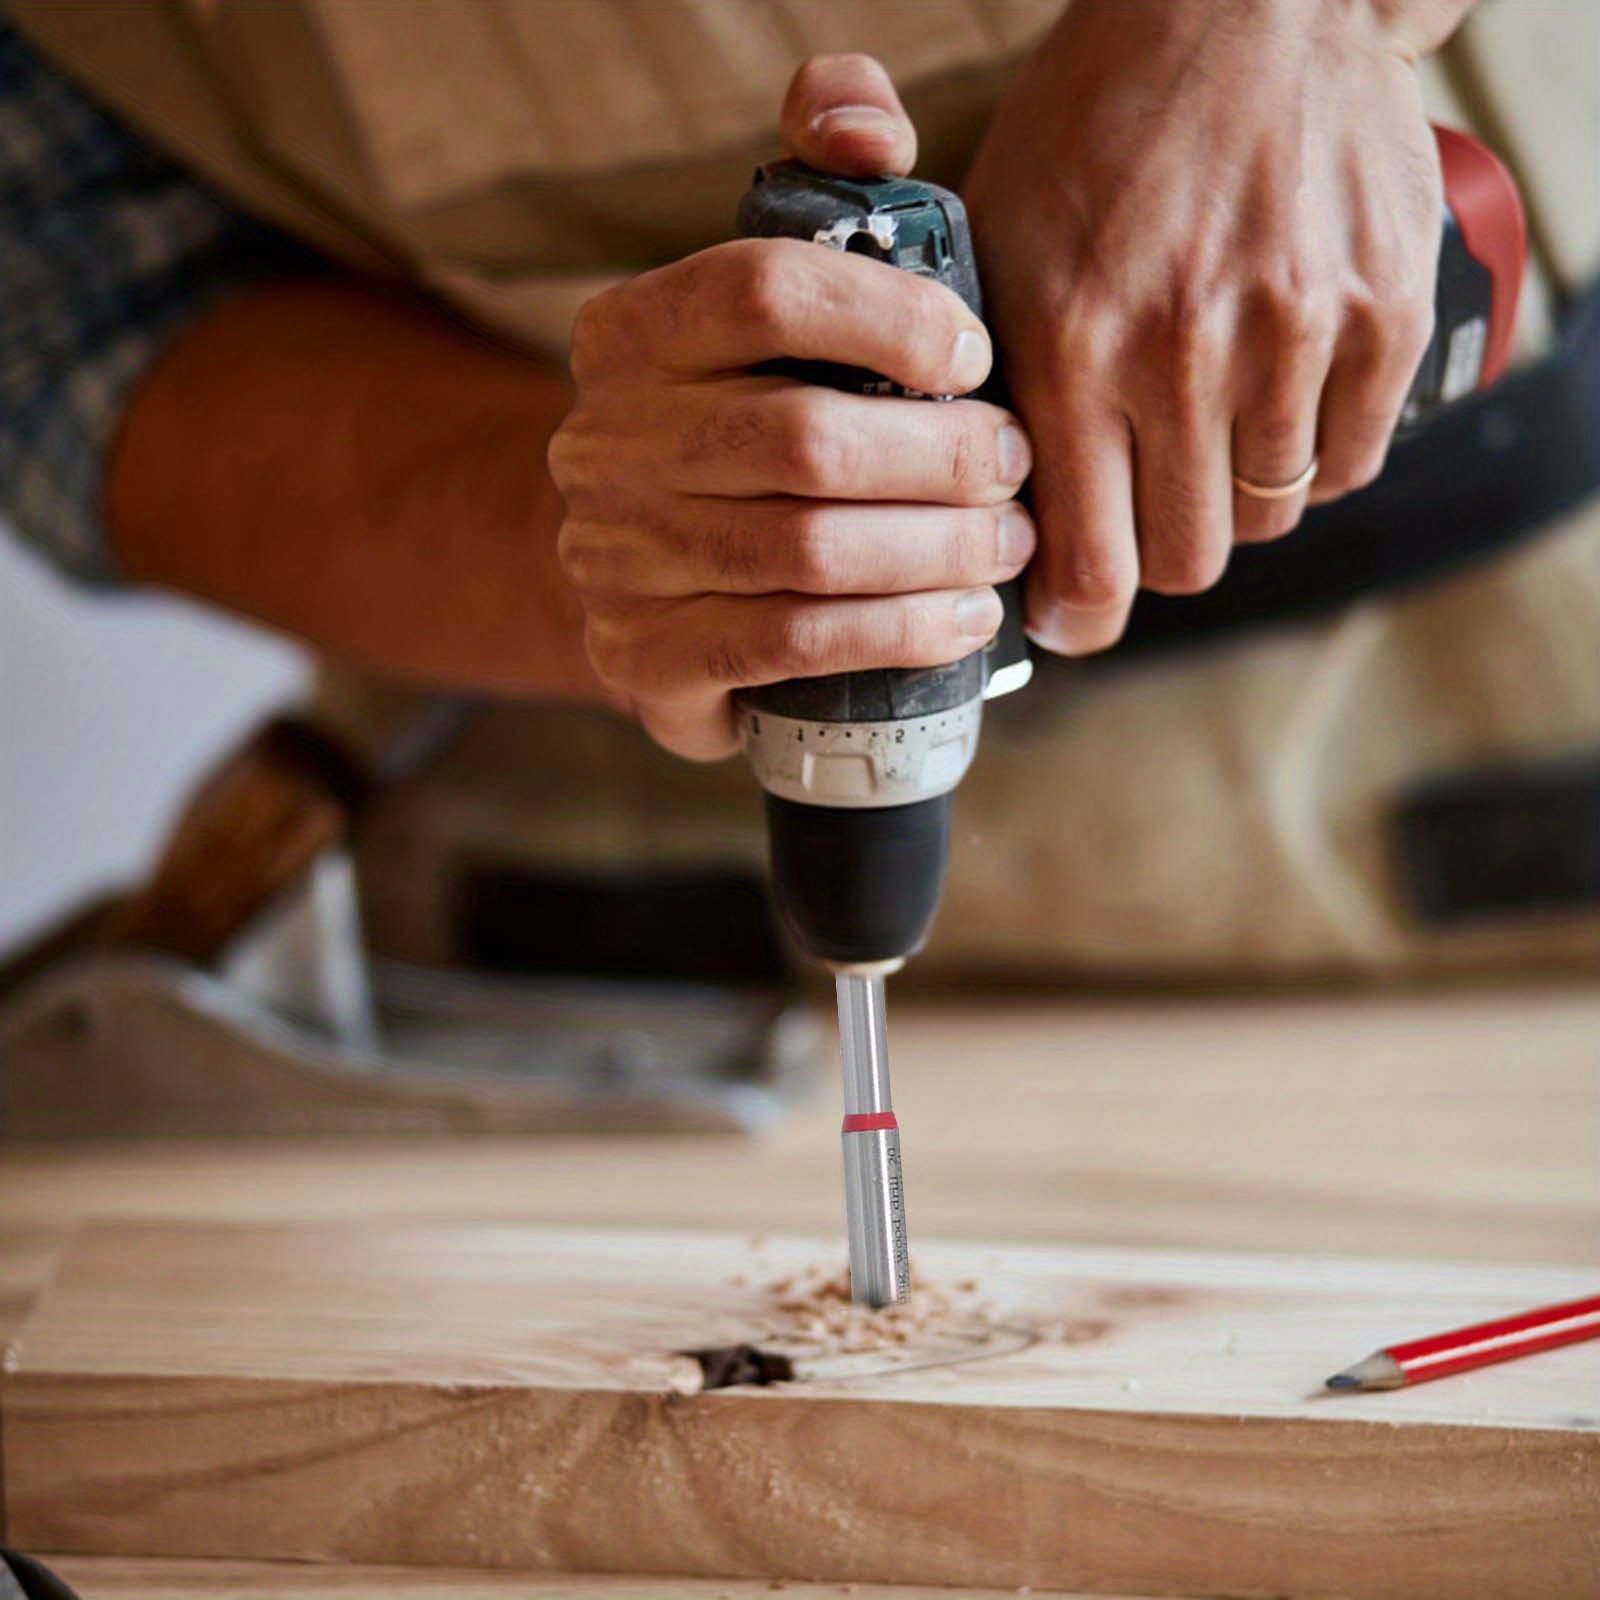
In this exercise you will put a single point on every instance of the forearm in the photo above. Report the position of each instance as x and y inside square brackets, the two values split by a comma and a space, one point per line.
[347, 466]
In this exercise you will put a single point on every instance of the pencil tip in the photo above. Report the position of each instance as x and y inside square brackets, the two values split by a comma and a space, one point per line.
[1343, 1380]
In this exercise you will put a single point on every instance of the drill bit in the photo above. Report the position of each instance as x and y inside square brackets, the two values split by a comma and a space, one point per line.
[874, 1193]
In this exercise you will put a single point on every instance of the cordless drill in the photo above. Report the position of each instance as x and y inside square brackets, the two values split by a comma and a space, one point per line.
[859, 768]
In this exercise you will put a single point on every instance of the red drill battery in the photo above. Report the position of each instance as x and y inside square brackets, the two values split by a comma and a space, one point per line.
[1482, 255]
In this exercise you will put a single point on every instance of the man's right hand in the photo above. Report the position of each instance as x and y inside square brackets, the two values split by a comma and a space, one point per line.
[726, 527]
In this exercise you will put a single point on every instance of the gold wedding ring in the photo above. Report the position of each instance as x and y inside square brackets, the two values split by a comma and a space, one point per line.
[1276, 491]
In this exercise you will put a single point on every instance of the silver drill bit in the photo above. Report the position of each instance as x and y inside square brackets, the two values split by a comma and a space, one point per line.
[874, 1192]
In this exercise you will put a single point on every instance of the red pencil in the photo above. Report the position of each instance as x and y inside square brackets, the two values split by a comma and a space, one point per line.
[1465, 1348]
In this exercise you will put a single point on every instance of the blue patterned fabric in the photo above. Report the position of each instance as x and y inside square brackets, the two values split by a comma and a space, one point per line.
[106, 251]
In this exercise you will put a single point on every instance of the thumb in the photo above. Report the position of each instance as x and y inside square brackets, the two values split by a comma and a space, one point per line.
[841, 115]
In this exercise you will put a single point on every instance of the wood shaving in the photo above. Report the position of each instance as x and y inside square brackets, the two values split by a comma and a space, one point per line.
[815, 1307]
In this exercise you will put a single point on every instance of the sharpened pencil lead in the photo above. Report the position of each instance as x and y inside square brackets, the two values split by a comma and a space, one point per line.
[1378, 1371]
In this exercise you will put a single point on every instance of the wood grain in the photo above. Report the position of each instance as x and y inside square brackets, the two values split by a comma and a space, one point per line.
[1459, 1123]
[502, 1397]
[112, 1578]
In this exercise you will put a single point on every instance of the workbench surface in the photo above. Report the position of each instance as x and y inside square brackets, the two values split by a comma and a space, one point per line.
[1461, 1124]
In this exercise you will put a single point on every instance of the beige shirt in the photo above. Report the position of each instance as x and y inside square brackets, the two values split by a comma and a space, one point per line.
[516, 154]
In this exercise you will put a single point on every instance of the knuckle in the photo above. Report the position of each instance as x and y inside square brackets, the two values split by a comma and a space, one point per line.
[1395, 279]
[1298, 321]
[769, 290]
[816, 552]
[576, 551]
[1388, 328]
[814, 454]
[577, 457]
[561, 455]
[581, 456]
[926, 317]
[1297, 269]
[800, 643]
[1089, 326]
[1413, 332]
[1092, 580]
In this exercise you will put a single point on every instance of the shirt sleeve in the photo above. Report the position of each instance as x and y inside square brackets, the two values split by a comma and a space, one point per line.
[107, 250]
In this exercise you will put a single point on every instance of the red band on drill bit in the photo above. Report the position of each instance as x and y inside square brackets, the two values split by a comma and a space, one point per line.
[869, 1122]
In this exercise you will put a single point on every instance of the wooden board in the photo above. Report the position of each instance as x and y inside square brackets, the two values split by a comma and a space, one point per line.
[1459, 1125]
[511, 1397]
[112, 1578]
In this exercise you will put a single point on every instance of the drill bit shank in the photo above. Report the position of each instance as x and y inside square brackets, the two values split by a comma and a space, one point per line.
[874, 1193]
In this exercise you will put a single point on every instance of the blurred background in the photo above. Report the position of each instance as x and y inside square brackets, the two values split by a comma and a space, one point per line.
[112, 709]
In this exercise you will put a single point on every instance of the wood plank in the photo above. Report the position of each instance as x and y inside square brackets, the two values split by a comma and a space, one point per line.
[112, 1578]
[27, 1257]
[512, 1397]
[1458, 1124]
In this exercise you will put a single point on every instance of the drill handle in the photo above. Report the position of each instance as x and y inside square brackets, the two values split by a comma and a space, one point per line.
[917, 227]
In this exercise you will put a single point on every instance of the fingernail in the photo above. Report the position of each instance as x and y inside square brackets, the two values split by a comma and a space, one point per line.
[1016, 456]
[851, 119]
[1016, 537]
[1068, 632]
[969, 360]
[978, 613]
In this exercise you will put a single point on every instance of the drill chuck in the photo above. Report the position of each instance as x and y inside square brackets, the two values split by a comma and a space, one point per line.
[858, 773]
[859, 888]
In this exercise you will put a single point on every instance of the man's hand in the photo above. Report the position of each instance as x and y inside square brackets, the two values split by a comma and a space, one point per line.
[726, 527]
[1208, 232]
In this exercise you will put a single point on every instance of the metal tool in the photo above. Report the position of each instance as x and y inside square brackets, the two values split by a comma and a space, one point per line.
[874, 1193]
[859, 768]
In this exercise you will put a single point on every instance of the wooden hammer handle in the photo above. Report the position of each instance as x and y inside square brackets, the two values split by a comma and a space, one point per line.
[248, 833]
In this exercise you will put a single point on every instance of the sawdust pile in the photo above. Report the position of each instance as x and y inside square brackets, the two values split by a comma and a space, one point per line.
[815, 1307]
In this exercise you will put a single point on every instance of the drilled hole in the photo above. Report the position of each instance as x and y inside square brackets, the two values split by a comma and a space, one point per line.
[731, 1366]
